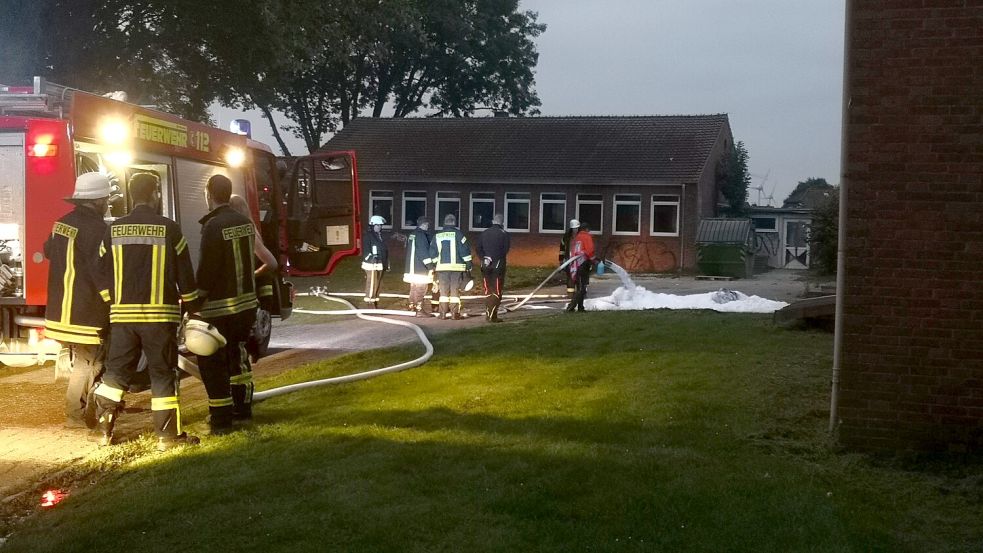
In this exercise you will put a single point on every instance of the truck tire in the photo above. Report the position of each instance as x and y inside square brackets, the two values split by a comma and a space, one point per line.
[259, 337]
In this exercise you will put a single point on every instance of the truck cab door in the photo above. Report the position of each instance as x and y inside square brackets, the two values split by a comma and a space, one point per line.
[322, 213]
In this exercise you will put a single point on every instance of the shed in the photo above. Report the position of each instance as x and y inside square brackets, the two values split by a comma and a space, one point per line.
[725, 247]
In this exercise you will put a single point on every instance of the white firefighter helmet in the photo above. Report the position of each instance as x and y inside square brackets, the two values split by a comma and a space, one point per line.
[202, 338]
[574, 223]
[376, 220]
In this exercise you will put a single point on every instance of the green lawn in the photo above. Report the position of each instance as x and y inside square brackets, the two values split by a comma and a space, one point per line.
[630, 431]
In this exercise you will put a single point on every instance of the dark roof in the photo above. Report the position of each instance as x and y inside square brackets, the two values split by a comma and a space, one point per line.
[724, 231]
[591, 150]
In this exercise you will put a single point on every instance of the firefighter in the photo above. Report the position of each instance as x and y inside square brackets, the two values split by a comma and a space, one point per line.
[565, 253]
[493, 247]
[419, 267]
[265, 274]
[75, 315]
[227, 287]
[375, 263]
[582, 250]
[147, 274]
[451, 253]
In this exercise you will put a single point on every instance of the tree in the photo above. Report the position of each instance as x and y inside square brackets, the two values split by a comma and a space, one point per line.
[824, 234]
[798, 197]
[733, 180]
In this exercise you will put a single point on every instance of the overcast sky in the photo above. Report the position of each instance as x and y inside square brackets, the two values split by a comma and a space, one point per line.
[774, 66]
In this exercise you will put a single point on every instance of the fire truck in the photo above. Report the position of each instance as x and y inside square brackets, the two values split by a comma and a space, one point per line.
[308, 214]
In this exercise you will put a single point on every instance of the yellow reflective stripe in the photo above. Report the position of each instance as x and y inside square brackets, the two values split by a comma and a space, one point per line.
[146, 308]
[105, 295]
[110, 393]
[244, 378]
[237, 254]
[144, 318]
[190, 296]
[72, 338]
[455, 299]
[118, 271]
[155, 274]
[467, 257]
[443, 299]
[266, 290]
[68, 282]
[181, 245]
[223, 402]
[82, 329]
[102, 249]
[164, 403]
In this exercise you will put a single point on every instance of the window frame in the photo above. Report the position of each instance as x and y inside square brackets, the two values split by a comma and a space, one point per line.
[600, 202]
[402, 212]
[653, 202]
[392, 201]
[447, 196]
[543, 201]
[471, 201]
[614, 214]
[528, 201]
[773, 218]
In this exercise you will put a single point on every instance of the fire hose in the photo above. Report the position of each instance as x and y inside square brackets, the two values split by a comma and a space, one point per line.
[361, 314]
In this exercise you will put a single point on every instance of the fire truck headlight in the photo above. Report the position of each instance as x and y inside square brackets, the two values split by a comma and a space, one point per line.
[114, 132]
[235, 157]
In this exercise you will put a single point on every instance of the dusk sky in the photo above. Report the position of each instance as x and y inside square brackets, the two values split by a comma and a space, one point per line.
[774, 66]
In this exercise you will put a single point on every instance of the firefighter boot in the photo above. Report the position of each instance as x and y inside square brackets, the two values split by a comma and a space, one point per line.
[220, 420]
[107, 411]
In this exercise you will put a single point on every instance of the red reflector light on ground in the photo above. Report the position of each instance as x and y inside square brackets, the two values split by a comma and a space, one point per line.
[51, 498]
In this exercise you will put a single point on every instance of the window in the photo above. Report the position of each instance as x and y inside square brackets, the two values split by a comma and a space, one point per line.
[665, 216]
[552, 212]
[765, 224]
[627, 214]
[482, 210]
[381, 203]
[517, 211]
[590, 209]
[414, 206]
[448, 203]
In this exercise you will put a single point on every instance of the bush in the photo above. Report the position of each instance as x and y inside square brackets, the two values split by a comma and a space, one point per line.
[823, 233]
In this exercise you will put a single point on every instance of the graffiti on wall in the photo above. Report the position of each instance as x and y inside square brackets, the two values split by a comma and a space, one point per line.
[642, 256]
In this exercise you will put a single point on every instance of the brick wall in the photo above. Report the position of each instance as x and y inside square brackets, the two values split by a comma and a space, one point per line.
[912, 368]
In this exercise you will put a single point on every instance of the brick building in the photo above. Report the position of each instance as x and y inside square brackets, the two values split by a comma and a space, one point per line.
[642, 183]
[912, 349]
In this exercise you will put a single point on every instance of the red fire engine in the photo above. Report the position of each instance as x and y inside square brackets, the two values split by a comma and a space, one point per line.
[49, 134]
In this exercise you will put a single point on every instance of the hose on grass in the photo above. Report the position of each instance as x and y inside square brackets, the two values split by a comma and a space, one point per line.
[361, 314]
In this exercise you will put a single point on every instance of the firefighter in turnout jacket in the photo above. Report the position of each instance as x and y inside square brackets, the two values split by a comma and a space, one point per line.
[582, 250]
[451, 253]
[227, 288]
[419, 267]
[493, 247]
[565, 244]
[146, 268]
[76, 315]
[375, 262]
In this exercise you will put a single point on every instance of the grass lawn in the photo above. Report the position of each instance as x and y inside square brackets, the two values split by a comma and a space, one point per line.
[625, 431]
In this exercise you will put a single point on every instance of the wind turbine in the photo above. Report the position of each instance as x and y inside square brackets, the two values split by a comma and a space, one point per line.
[761, 187]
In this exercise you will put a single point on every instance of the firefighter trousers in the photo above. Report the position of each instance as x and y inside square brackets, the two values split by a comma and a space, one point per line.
[494, 282]
[227, 374]
[418, 300]
[450, 294]
[581, 282]
[158, 342]
[373, 283]
[88, 362]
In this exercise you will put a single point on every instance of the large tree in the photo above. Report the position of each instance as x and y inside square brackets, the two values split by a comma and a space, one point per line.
[320, 62]
[798, 196]
[733, 180]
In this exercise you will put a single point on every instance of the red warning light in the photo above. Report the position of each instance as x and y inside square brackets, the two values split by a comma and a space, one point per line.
[51, 498]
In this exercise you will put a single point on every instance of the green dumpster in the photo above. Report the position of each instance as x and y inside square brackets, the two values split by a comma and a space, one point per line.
[724, 247]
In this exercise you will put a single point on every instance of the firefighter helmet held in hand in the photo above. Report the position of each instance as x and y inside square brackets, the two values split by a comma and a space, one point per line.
[202, 338]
